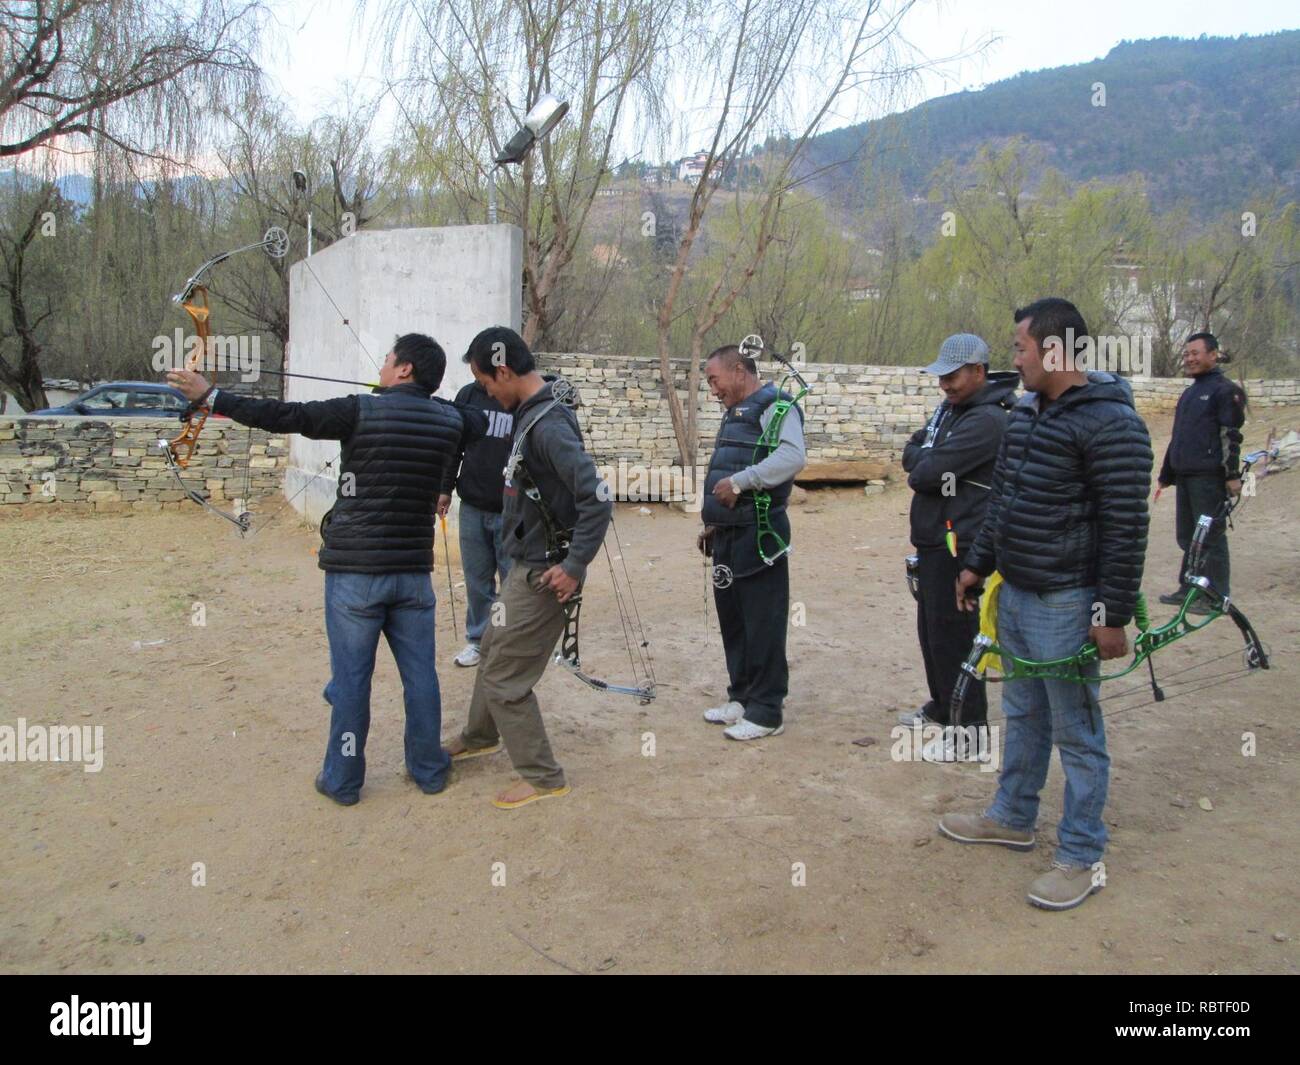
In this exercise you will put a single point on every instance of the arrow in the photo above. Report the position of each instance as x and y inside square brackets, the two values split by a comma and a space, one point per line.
[314, 377]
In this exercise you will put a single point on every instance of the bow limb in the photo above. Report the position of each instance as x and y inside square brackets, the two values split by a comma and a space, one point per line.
[568, 656]
[242, 520]
[275, 240]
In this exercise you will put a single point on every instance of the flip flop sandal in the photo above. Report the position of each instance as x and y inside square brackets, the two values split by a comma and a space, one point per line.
[540, 793]
[475, 752]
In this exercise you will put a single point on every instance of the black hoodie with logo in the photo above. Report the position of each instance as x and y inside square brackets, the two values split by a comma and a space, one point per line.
[1207, 430]
[478, 475]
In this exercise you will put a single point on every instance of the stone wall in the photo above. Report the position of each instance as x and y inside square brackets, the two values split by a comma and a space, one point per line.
[112, 465]
[1154, 394]
[853, 411]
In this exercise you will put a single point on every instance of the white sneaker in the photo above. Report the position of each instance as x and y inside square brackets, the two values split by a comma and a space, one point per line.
[913, 718]
[727, 714]
[947, 748]
[747, 730]
[469, 655]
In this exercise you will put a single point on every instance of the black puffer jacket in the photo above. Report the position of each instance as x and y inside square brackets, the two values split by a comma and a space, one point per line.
[1069, 502]
[396, 446]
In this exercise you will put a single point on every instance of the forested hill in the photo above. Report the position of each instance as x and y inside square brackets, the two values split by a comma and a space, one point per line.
[1207, 122]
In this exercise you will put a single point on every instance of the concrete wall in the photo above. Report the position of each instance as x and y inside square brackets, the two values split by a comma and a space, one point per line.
[450, 282]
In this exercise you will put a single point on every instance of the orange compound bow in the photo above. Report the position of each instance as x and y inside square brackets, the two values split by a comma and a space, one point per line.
[193, 299]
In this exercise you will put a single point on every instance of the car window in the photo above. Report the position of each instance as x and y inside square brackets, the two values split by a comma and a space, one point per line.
[159, 401]
[108, 399]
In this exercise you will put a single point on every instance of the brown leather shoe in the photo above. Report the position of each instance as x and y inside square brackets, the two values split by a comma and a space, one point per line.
[976, 828]
[1065, 886]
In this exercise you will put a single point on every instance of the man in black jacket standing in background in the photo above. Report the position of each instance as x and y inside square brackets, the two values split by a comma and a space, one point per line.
[377, 549]
[1067, 528]
[1204, 459]
[479, 480]
[949, 464]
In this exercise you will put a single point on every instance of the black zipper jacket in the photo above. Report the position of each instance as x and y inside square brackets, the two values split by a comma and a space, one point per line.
[1207, 430]
[951, 479]
[396, 447]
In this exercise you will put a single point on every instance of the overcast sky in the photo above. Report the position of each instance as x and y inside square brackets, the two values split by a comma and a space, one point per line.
[322, 47]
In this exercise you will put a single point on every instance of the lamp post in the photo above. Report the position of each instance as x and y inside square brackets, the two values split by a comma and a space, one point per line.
[300, 189]
[543, 117]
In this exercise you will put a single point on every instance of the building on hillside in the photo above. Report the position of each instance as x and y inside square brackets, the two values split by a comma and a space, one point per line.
[607, 255]
[691, 168]
[857, 289]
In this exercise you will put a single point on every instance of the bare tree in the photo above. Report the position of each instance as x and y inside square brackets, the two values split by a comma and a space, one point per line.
[23, 377]
[765, 64]
[137, 74]
[123, 80]
[484, 63]
[343, 176]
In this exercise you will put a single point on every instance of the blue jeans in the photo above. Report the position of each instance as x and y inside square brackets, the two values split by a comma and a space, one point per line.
[1040, 712]
[358, 607]
[482, 557]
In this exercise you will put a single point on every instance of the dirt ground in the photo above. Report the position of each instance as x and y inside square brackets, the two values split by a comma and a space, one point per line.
[683, 861]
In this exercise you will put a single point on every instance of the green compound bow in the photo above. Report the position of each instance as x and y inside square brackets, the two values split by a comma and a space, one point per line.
[1084, 666]
[752, 347]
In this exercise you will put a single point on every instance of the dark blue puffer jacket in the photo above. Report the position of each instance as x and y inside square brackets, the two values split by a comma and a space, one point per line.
[1068, 507]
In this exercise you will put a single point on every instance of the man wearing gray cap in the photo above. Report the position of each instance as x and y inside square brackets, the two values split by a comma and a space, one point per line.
[949, 466]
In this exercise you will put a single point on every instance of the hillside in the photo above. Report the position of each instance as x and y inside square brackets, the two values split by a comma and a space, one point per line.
[1210, 122]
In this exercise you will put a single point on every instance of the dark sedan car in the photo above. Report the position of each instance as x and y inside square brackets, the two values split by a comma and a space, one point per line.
[124, 399]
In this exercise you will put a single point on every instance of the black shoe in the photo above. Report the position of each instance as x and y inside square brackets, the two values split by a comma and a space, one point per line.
[320, 786]
[1174, 598]
[1200, 606]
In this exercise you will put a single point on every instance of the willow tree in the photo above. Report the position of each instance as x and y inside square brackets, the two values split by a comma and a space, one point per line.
[132, 85]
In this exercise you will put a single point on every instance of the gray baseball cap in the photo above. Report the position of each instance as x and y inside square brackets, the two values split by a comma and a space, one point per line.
[957, 351]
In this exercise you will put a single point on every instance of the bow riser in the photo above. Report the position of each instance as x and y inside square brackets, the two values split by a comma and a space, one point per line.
[770, 439]
[193, 299]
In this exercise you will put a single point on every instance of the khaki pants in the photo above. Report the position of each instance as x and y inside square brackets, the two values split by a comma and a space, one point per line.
[513, 658]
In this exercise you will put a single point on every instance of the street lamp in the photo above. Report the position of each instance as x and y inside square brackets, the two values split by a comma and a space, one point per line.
[299, 190]
[540, 120]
